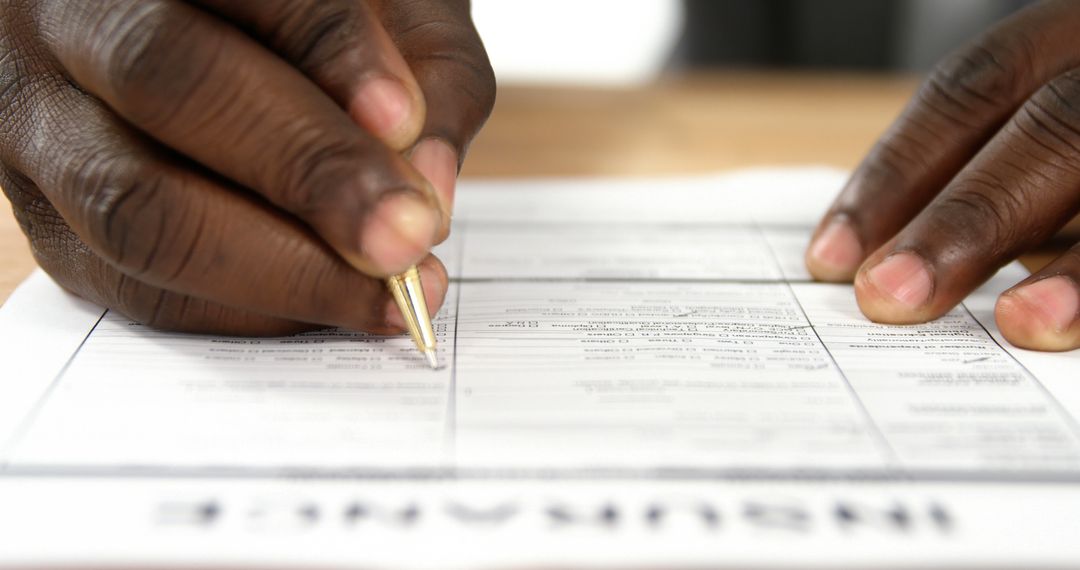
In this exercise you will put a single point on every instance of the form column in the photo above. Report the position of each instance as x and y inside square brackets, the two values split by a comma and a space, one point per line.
[649, 375]
[945, 395]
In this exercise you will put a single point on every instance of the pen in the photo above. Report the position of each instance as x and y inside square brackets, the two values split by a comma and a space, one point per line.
[409, 295]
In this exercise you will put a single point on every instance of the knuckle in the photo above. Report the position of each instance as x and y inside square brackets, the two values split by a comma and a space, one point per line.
[979, 79]
[323, 172]
[150, 57]
[137, 301]
[163, 309]
[1046, 135]
[153, 306]
[1063, 94]
[310, 284]
[124, 210]
[1054, 110]
[902, 155]
[987, 211]
[311, 34]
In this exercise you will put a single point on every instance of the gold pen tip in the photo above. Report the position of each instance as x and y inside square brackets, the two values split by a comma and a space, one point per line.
[432, 358]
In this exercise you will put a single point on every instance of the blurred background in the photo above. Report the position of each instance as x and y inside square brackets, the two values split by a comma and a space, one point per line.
[626, 42]
[746, 82]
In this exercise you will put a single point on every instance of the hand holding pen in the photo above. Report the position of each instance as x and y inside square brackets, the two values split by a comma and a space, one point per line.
[240, 166]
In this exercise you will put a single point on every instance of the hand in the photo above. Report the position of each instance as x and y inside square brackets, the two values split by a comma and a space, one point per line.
[983, 164]
[236, 166]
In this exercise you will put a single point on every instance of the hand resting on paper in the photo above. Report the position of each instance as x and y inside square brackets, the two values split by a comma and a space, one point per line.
[238, 166]
[983, 164]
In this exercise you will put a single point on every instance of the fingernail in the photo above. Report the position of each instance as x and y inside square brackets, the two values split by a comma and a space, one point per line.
[904, 277]
[383, 106]
[837, 249]
[438, 161]
[399, 232]
[1054, 300]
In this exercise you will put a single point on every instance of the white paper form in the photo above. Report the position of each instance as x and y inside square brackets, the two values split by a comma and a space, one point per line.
[624, 356]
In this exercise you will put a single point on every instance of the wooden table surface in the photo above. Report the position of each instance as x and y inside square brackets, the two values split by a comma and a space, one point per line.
[681, 124]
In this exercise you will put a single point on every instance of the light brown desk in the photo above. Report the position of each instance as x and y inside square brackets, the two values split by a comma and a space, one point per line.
[683, 124]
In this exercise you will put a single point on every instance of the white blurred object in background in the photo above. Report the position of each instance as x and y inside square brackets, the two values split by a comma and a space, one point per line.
[607, 42]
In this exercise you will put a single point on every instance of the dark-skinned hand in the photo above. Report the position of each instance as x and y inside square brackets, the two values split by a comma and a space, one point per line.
[982, 165]
[239, 166]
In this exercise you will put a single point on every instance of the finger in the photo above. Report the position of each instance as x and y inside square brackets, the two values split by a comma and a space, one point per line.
[153, 218]
[444, 51]
[210, 92]
[1017, 192]
[341, 45]
[1043, 311]
[75, 267]
[959, 107]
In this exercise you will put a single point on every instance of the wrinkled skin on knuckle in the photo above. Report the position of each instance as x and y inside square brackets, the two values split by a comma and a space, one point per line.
[167, 310]
[152, 60]
[132, 215]
[980, 215]
[318, 170]
[1043, 152]
[187, 314]
[312, 34]
[980, 80]
[77, 268]
[889, 165]
[139, 301]
[119, 211]
[971, 231]
[1052, 116]
[306, 285]
[334, 174]
[304, 281]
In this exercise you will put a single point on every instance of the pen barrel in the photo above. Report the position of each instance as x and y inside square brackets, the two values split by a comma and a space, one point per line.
[408, 293]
